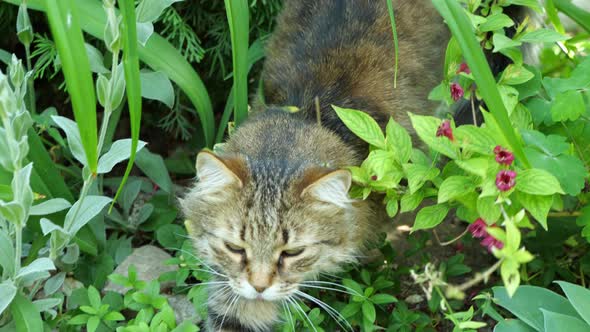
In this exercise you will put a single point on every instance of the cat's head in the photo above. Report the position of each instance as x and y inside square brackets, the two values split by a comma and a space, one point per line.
[268, 225]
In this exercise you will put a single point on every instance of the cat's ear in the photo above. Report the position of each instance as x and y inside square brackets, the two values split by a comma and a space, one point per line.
[217, 172]
[328, 186]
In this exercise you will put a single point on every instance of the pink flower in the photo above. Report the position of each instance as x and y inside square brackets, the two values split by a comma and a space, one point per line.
[505, 180]
[463, 68]
[478, 228]
[503, 156]
[456, 91]
[374, 177]
[491, 242]
[445, 130]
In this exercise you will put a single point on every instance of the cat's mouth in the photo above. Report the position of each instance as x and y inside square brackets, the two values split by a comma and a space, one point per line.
[273, 293]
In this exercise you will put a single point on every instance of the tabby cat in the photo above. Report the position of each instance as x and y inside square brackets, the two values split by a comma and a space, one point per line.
[272, 212]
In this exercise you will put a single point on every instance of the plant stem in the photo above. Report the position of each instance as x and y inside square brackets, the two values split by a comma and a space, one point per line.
[18, 247]
[479, 277]
[30, 84]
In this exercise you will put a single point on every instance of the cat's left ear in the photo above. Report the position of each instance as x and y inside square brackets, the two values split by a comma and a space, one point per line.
[328, 186]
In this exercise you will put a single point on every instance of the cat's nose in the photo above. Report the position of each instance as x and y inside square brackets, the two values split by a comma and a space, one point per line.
[260, 281]
[260, 289]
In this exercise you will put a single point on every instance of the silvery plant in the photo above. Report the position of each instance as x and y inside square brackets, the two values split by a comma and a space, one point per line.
[20, 285]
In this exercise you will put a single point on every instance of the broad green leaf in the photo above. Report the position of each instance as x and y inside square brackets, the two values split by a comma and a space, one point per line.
[430, 216]
[6, 253]
[399, 141]
[237, 12]
[488, 209]
[568, 105]
[49, 207]
[25, 315]
[542, 36]
[514, 75]
[73, 136]
[7, 294]
[157, 86]
[83, 211]
[455, 186]
[369, 311]
[512, 325]
[119, 151]
[538, 206]
[383, 299]
[96, 60]
[559, 322]
[410, 201]
[495, 22]
[579, 297]
[362, 125]
[578, 80]
[94, 297]
[150, 10]
[426, 128]
[39, 265]
[54, 283]
[476, 166]
[537, 182]
[476, 139]
[92, 324]
[171, 236]
[502, 42]
[527, 301]
[418, 175]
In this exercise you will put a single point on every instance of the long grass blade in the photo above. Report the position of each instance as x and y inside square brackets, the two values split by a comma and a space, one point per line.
[577, 14]
[462, 30]
[132, 82]
[239, 27]
[65, 28]
[255, 54]
[395, 40]
[158, 54]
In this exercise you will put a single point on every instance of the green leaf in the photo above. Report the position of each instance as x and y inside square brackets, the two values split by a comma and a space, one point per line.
[92, 324]
[476, 166]
[538, 206]
[49, 207]
[463, 31]
[153, 166]
[119, 151]
[495, 22]
[579, 297]
[418, 175]
[171, 236]
[580, 16]
[527, 300]
[150, 10]
[383, 299]
[94, 297]
[83, 211]
[568, 105]
[502, 42]
[455, 186]
[114, 316]
[430, 216]
[410, 201]
[537, 182]
[488, 209]
[362, 125]
[398, 141]
[239, 26]
[542, 36]
[6, 253]
[476, 139]
[25, 315]
[512, 325]
[41, 264]
[157, 86]
[64, 23]
[559, 322]
[426, 128]
[7, 294]
[369, 311]
[514, 75]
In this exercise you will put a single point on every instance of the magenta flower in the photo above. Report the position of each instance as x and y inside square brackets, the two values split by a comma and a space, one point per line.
[374, 177]
[491, 242]
[445, 130]
[456, 91]
[503, 156]
[463, 68]
[478, 228]
[505, 180]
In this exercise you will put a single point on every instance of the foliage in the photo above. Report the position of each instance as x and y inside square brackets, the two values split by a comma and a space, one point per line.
[517, 183]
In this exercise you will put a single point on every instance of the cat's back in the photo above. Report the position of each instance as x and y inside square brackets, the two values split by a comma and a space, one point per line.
[342, 52]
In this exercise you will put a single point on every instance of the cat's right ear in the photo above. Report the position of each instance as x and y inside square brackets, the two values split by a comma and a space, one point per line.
[216, 172]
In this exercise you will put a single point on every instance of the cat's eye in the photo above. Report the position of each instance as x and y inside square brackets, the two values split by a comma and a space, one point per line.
[292, 252]
[235, 249]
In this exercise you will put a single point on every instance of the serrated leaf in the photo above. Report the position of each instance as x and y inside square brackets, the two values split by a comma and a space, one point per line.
[430, 216]
[488, 209]
[426, 128]
[476, 166]
[410, 201]
[418, 175]
[362, 125]
[568, 106]
[538, 206]
[399, 141]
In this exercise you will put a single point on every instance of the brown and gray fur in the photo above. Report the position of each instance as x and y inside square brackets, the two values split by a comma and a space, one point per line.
[278, 187]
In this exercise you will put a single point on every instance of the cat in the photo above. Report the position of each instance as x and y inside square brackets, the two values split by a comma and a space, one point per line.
[272, 212]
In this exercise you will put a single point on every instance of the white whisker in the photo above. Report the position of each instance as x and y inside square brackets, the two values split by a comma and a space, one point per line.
[331, 311]
[298, 307]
